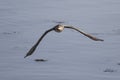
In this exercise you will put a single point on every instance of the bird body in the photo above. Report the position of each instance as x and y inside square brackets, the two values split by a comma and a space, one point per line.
[59, 28]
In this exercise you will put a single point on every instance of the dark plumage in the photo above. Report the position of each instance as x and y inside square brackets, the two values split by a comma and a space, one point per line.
[59, 28]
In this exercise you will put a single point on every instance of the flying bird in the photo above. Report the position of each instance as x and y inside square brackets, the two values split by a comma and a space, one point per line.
[59, 28]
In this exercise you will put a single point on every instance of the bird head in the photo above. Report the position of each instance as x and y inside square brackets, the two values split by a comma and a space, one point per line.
[59, 28]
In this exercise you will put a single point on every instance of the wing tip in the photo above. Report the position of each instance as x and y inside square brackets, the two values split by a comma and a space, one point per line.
[96, 39]
[26, 55]
[99, 40]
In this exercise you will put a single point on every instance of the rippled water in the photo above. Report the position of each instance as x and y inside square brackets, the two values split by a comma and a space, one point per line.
[70, 55]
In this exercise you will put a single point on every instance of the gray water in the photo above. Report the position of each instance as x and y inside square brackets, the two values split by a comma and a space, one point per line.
[70, 55]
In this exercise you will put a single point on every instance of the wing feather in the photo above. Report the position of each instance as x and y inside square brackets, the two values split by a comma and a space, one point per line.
[88, 35]
[30, 52]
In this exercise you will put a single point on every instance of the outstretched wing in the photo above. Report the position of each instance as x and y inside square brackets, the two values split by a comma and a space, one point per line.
[88, 35]
[30, 52]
